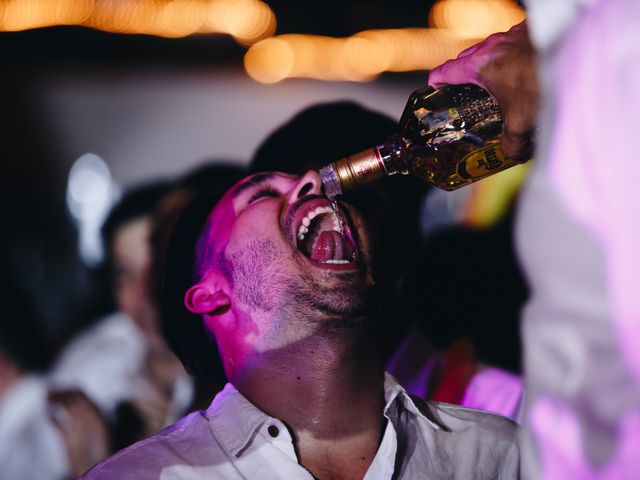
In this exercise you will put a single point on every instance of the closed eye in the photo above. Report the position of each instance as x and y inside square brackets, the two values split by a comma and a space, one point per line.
[263, 193]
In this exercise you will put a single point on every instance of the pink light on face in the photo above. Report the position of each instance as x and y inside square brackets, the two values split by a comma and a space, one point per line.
[240, 225]
[233, 344]
[256, 268]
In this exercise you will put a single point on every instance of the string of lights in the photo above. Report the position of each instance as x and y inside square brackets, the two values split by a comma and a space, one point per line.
[453, 26]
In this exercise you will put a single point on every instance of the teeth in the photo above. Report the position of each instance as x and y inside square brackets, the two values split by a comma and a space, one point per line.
[337, 262]
[306, 221]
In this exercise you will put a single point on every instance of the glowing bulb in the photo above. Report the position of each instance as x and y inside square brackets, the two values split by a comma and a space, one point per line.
[248, 21]
[269, 61]
[179, 18]
[90, 194]
[368, 53]
[475, 18]
[258, 23]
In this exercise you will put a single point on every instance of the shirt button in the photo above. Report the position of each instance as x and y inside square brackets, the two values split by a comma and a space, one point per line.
[273, 431]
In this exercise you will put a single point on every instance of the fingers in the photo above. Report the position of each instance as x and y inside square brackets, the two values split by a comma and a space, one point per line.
[520, 109]
[454, 72]
[504, 64]
[467, 66]
[469, 50]
[517, 146]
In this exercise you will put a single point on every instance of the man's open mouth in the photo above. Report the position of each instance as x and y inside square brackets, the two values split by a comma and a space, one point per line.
[325, 237]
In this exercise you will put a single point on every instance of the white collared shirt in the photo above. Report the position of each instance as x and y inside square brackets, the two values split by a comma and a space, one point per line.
[31, 447]
[233, 439]
[107, 362]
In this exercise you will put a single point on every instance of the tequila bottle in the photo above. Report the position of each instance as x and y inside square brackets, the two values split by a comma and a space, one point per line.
[449, 137]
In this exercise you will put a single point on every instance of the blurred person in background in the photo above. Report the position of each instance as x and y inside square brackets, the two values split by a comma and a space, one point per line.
[31, 446]
[87, 434]
[577, 228]
[122, 363]
[465, 292]
[44, 435]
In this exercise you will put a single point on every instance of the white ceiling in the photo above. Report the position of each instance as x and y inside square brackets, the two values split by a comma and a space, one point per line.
[156, 124]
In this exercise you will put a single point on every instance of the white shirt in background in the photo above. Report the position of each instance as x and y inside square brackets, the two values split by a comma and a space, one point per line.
[107, 363]
[578, 233]
[31, 447]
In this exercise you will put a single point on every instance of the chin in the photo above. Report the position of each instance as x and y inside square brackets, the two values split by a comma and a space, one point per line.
[348, 297]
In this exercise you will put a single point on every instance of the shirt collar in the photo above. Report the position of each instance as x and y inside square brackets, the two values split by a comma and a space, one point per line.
[236, 420]
[395, 395]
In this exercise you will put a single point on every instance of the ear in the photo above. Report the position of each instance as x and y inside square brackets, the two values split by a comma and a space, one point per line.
[205, 298]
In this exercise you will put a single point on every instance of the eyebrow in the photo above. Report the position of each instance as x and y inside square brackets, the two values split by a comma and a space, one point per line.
[254, 181]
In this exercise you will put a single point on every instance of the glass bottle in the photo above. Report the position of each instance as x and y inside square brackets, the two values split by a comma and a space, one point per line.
[449, 137]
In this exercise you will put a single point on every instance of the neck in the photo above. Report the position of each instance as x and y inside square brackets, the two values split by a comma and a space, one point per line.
[329, 390]
[9, 375]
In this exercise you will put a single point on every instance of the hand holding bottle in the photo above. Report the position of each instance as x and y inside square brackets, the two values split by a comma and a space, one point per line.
[505, 65]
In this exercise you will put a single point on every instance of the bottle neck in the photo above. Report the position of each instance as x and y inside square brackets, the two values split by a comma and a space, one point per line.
[390, 155]
[363, 167]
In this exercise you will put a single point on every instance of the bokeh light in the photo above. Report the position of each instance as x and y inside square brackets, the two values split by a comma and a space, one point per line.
[358, 58]
[269, 61]
[25, 14]
[475, 19]
[90, 194]
[456, 24]
[247, 21]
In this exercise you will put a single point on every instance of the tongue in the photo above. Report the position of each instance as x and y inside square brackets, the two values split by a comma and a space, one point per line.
[328, 246]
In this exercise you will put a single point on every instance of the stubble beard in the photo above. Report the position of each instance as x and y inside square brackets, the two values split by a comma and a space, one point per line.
[331, 303]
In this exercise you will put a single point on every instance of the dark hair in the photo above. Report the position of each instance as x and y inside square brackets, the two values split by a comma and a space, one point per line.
[198, 181]
[321, 134]
[136, 202]
[21, 331]
[185, 332]
[467, 283]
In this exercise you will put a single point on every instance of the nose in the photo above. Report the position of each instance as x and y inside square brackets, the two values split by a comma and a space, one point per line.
[308, 184]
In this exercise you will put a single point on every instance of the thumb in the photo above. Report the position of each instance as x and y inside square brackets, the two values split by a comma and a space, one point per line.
[454, 72]
[516, 146]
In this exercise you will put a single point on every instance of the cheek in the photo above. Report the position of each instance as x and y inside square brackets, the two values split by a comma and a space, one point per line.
[363, 229]
[258, 226]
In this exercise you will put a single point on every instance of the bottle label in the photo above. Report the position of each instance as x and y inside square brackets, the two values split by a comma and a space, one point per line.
[481, 162]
